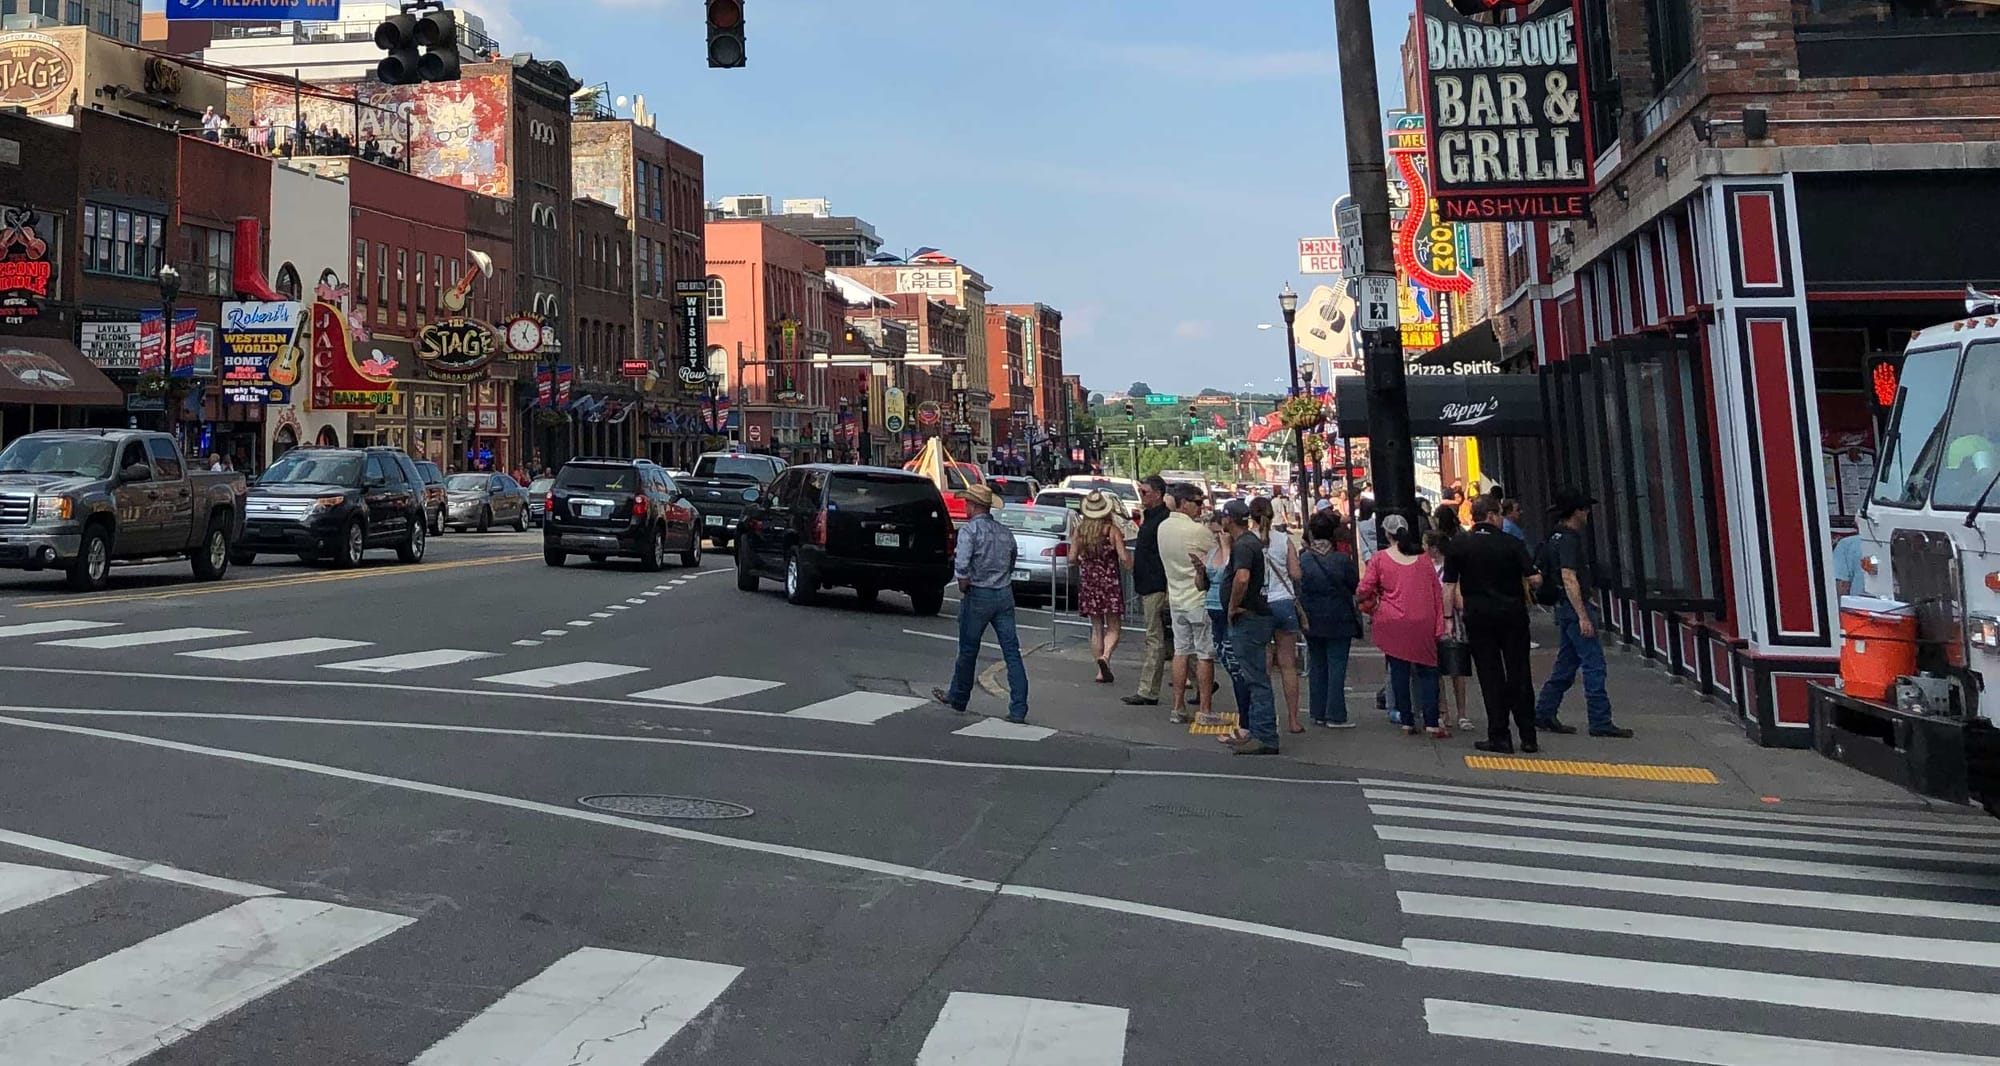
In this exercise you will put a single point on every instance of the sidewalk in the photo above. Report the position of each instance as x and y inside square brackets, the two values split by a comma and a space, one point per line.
[1675, 729]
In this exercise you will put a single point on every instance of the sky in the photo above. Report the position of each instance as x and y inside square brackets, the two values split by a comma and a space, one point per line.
[1144, 166]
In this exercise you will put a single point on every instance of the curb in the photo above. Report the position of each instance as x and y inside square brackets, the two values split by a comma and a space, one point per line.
[992, 678]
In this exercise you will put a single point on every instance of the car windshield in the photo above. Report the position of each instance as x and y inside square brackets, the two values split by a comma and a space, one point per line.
[1067, 500]
[466, 483]
[298, 468]
[541, 484]
[732, 466]
[597, 478]
[906, 498]
[430, 473]
[1013, 488]
[959, 477]
[1115, 488]
[1971, 459]
[68, 456]
[1036, 520]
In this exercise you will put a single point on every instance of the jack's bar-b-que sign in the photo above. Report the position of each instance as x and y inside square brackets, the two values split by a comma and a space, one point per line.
[1508, 109]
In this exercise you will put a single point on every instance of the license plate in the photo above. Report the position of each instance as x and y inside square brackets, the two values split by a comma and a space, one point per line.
[715, 520]
[888, 540]
[1021, 575]
[593, 510]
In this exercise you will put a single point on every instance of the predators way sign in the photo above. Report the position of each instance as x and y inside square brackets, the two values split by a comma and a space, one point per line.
[1508, 109]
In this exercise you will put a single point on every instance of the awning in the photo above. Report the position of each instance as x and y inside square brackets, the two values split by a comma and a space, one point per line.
[1475, 405]
[1476, 351]
[44, 370]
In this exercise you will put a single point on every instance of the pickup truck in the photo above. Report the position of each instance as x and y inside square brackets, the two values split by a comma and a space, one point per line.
[80, 499]
[724, 485]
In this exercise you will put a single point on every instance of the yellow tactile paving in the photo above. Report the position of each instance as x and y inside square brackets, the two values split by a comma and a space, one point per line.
[1686, 775]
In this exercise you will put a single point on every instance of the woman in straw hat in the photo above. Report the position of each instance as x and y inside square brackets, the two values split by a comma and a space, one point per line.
[1097, 549]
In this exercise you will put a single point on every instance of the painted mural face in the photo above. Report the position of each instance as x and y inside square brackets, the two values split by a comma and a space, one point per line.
[457, 131]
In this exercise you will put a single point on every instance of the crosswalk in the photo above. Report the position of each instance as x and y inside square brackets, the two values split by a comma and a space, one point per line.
[595, 1005]
[1641, 908]
[490, 670]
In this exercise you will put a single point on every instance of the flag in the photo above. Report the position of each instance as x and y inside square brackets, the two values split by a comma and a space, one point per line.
[565, 378]
[544, 388]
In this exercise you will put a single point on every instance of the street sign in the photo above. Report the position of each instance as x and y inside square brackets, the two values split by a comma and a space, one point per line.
[1162, 399]
[1319, 255]
[1378, 301]
[1347, 219]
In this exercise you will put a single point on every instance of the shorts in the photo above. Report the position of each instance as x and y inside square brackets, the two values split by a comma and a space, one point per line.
[1193, 634]
[1284, 616]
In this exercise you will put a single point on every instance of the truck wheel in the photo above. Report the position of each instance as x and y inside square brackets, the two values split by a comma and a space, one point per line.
[746, 575]
[652, 552]
[412, 548]
[801, 584]
[927, 602]
[92, 569]
[553, 556]
[211, 559]
[353, 543]
[691, 558]
[239, 557]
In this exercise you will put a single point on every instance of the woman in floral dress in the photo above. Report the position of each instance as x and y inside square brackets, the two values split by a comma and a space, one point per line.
[1097, 550]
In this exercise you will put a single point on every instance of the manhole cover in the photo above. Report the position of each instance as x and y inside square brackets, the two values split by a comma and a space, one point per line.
[667, 806]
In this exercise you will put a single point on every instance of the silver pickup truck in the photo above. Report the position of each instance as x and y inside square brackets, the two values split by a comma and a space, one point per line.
[80, 499]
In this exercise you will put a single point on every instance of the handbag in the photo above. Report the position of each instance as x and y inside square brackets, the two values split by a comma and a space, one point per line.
[1454, 654]
[1299, 605]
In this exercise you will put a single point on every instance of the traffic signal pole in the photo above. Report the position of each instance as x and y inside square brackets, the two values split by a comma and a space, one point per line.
[1389, 448]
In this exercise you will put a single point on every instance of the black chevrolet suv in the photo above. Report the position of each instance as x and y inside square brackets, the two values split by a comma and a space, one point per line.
[335, 503]
[864, 527]
[626, 507]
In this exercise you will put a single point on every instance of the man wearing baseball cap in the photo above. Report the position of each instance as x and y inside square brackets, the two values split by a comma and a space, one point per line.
[1565, 560]
[985, 569]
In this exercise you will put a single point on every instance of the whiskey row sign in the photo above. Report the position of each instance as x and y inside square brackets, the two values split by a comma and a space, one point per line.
[1508, 109]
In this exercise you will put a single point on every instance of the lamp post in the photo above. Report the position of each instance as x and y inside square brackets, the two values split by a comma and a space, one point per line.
[1305, 492]
[1288, 302]
[170, 290]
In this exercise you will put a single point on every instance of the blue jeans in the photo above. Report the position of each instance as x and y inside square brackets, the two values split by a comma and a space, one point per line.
[1577, 652]
[1249, 639]
[1326, 676]
[1427, 690]
[977, 609]
[1218, 619]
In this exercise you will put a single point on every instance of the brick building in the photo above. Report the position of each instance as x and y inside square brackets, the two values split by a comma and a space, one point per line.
[939, 277]
[601, 300]
[1042, 367]
[1006, 347]
[767, 313]
[1782, 194]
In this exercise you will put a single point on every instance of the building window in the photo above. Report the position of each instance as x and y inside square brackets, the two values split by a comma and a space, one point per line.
[659, 269]
[288, 285]
[122, 243]
[423, 297]
[640, 186]
[73, 13]
[360, 273]
[382, 274]
[211, 255]
[437, 282]
[644, 265]
[402, 279]
[718, 303]
[1669, 39]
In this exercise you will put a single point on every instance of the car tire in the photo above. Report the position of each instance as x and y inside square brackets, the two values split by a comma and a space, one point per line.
[927, 602]
[238, 557]
[553, 556]
[721, 544]
[211, 558]
[652, 551]
[801, 584]
[746, 574]
[436, 525]
[598, 559]
[691, 558]
[521, 521]
[309, 556]
[412, 548]
[485, 519]
[353, 544]
[867, 595]
[91, 570]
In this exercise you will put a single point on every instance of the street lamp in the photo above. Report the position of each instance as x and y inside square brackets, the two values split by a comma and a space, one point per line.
[170, 290]
[1288, 302]
[1305, 495]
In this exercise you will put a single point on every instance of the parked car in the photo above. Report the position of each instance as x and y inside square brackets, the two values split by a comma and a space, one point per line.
[726, 484]
[336, 503]
[861, 527]
[538, 498]
[1124, 488]
[81, 499]
[480, 500]
[1014, 488]
[630, 508]
[957, 478]
[1041, 551]
[437, 499]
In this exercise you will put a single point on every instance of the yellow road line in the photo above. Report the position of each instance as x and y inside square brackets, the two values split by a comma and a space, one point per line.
[288, 582]
[1685, 775]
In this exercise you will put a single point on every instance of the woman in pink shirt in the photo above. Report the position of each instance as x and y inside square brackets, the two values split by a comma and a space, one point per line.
[1401, 592]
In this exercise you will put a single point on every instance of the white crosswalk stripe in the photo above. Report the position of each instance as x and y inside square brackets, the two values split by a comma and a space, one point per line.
[561, 675]
[1582, 913]
[23, 886]
[276, 649]
[62, 625]
[1001, 729]
[623, 1005]
[145, 639]
[707, 690]
[416, 660]
[859, 708]
[982, 1030]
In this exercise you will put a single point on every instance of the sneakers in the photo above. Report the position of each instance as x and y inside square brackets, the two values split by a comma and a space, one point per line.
[1610, 731]
[1179, 717]
[1554, 727]
[1137, 700]
[1338, 725]
[1465, 724]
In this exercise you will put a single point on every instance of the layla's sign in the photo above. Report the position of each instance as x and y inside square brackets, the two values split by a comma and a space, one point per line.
[456, 349]
[1509, 113]
[24, 267]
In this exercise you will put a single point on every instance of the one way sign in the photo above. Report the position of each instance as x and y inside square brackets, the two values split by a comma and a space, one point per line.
[1378, 301]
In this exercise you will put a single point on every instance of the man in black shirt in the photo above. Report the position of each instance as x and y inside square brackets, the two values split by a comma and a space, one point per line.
[1487, 573]
[1149, 580]
[1576, 622]
[1250, 630]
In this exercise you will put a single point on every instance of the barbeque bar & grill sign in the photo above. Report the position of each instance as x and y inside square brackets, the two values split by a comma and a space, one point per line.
[1508, 108]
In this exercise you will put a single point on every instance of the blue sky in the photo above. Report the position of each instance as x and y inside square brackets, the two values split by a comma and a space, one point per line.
[1146, 166]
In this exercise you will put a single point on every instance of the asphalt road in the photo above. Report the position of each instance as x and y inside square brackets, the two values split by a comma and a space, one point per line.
[308, 816]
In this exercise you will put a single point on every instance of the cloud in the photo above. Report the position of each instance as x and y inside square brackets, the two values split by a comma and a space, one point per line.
[1194, 329]
[1214, 64]
[504, 24]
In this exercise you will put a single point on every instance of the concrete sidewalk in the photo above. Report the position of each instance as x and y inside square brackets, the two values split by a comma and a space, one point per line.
[1675, 729]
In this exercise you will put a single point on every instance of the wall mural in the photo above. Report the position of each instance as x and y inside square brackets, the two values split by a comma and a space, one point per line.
[457, 130]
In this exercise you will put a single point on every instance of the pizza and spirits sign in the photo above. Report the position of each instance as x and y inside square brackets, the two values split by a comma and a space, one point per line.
[1508, 111]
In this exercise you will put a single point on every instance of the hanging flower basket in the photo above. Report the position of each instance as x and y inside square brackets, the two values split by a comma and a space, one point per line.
[1301, 412]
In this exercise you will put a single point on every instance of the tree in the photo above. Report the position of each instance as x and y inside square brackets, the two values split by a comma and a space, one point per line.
[1096, 399]
[1139, 389]
[1215, 392]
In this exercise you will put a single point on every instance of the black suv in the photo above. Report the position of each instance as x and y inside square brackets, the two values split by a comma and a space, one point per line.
[335, 503]
[626, 507]
[864, 527]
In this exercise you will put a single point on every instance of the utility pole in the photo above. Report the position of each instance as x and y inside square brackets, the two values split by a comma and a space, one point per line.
[1389, 449]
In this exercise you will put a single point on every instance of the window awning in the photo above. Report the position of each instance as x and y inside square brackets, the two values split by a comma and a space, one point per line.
[45, 370]
[1473, 405]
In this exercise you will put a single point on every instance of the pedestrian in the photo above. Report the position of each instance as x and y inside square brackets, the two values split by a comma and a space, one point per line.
[1510, 518]
[984, 565]
[1847, 579]
[1565, 559]
[1327, 582]
[1445, 520]
[1366, 535]
[1183, 540]
[1452, 684]
[1401, 592]
[211, 125]
[1250, 628]
[1149, 583]
[1281, 569]
[215, 463]
[1097, 548]
[1486, 575]
[1215, 562]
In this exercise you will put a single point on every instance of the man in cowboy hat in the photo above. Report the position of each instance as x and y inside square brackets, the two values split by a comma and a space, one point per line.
[985, 570]
[1565, 559]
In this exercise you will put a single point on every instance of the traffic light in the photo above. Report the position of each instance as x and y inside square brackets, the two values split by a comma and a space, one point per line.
[725, 33]
[422, 47]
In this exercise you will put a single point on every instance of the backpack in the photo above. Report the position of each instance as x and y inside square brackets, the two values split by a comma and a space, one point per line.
[1550, 592]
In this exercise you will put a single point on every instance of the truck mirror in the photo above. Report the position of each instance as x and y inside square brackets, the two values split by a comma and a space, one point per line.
[136, 472]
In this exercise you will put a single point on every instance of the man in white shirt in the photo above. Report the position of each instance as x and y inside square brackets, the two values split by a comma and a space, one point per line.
[1184, 540]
